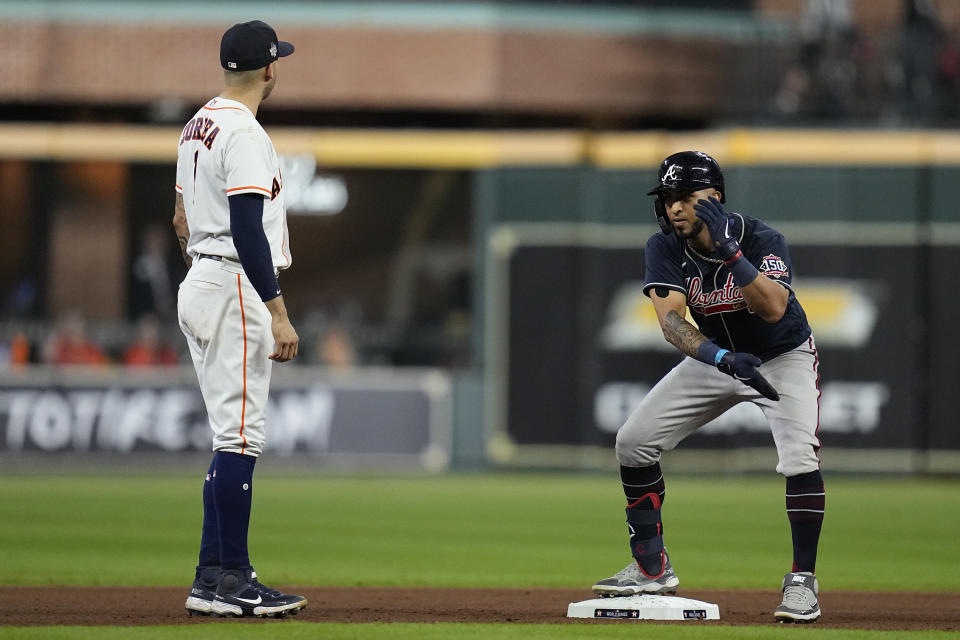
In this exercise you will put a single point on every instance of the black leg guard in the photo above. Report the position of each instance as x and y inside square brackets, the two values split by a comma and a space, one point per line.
[645, 490]
[646, 542]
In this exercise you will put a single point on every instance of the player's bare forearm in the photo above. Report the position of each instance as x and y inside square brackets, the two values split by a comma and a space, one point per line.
[187, 260]
[277, 307]
[766, 298]
[286, 340]
[681, 334]
[181, 229]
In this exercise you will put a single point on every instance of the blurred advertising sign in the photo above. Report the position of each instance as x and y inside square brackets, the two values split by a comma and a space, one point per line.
[308, 193]
[574, 344]
[845, 407]
[844, 313]
[402, 419]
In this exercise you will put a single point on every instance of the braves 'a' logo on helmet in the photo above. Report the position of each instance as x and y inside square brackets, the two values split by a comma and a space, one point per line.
[672, 174]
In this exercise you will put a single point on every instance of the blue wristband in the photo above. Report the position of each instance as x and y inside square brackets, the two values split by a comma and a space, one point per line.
[743, 272]
[710, 353]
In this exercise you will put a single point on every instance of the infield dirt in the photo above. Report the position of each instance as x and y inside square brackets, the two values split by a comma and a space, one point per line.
[135, 606]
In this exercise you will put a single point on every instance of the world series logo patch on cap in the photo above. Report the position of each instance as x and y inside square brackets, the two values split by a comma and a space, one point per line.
[273, 49]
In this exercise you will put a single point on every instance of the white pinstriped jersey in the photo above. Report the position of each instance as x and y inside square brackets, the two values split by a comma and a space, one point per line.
[224, 151]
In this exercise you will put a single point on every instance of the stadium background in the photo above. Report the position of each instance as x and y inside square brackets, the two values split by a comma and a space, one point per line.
[466, 188]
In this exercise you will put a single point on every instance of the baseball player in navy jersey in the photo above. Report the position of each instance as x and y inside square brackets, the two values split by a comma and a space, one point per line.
[751, 343]
[232, 227]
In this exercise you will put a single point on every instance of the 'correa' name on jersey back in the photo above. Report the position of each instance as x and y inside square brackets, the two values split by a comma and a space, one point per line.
[200, 128]
[222, 152]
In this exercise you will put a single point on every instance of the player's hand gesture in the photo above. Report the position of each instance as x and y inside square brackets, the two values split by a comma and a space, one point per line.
[717, 221]
[743, 367]
[285, 339]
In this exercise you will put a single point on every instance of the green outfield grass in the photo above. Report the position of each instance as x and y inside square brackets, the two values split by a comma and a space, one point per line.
[498, 530]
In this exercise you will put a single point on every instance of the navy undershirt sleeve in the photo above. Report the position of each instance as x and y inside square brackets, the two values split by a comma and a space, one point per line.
[246, 226]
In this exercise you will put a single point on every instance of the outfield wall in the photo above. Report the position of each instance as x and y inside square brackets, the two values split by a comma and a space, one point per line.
[369, 420]
[574, 345]
[571, 344]
[556, 222]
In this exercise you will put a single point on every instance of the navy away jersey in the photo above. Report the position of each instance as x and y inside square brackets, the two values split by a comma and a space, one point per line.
[715, 301]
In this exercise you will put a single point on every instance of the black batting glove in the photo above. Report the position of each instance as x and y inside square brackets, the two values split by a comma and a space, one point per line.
[717, 221]
[743, 367]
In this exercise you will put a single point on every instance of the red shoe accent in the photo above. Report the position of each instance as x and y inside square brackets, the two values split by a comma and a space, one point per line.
[663, 567]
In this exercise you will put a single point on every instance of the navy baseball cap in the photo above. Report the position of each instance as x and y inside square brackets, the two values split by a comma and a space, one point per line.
[251, 45]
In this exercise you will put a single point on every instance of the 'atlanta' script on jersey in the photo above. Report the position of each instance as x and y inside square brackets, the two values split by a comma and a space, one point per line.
[716, 302]
[725, 298]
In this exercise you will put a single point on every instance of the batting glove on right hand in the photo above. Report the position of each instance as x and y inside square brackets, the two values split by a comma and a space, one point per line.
[717, 221]
[743, 367]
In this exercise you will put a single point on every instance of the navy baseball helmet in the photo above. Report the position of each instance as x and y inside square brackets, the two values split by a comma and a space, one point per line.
[685, 171]
[689, 171]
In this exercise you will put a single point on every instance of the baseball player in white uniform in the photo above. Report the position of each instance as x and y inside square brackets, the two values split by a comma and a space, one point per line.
[232, 227]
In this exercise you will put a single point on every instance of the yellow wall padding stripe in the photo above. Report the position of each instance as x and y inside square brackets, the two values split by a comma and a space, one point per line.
[789, 147]
[439, 149]
[89, 142]
[332, 147]
[485, 149]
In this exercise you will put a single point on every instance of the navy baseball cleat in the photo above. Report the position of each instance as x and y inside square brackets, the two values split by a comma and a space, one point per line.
[800, 603]
[202, 591]
[241, 594]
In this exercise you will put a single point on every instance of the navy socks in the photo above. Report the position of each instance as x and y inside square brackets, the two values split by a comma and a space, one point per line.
[233, 491]
[210, 537]
[806, 500]
[227, 496]
[645, 492]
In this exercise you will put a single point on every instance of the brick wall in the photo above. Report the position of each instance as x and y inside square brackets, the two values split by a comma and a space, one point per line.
[380, 68]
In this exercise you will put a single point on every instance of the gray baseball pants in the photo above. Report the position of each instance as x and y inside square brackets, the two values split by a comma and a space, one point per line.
[693, 393]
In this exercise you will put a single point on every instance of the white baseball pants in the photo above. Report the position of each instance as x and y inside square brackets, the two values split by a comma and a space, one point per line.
[227, 327]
